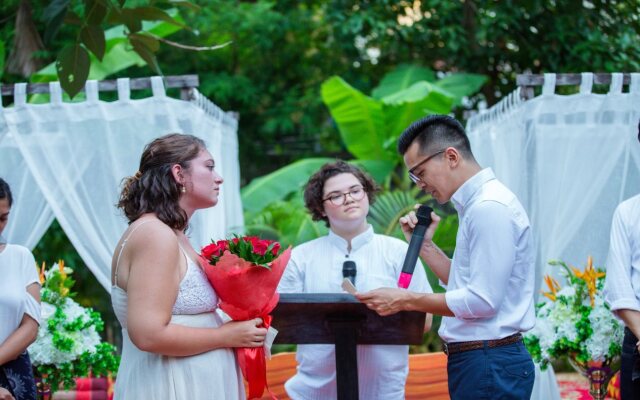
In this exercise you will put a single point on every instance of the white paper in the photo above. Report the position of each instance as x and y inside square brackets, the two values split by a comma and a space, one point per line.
[347, 286]
[268, 341]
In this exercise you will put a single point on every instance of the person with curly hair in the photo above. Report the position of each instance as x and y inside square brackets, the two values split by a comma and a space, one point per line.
[340, 195]
[175, 346]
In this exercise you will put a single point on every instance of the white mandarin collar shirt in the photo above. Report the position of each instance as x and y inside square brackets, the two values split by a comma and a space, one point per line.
[356, 243]
[622, 285]
[316, 267]
[491, 281]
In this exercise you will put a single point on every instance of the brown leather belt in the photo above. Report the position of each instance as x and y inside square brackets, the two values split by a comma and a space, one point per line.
[458, 347]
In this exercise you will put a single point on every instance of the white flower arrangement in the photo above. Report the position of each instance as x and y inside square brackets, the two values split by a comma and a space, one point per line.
[68, 344]
[74, 342]
[575, 321]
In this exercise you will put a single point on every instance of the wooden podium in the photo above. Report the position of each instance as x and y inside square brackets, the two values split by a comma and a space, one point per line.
[338, 318]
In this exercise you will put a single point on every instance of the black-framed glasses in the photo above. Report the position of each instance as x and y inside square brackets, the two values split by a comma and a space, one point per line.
[415, 178]
[337, 199]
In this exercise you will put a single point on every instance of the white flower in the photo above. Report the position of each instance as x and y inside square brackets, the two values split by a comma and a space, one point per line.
[43, 351]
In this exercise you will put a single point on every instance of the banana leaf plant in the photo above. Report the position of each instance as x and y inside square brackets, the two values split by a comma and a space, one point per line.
[369, 127]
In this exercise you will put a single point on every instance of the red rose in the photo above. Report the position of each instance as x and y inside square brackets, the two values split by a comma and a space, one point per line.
[222, 245]
[209, 251]
[275, 249]
[260, 247]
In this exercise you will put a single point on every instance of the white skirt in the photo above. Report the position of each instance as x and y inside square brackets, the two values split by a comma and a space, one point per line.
[208, 376]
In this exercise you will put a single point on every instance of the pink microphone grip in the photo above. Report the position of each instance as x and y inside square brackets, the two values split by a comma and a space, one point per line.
[404, 280]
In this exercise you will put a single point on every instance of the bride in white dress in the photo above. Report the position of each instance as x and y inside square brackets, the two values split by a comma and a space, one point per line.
[174, 346]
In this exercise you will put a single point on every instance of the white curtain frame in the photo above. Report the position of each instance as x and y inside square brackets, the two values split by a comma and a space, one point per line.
[570, 159]
[76, 155]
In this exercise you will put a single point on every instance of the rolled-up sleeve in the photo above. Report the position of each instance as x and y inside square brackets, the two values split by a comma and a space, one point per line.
[619, 292]
[492, 252]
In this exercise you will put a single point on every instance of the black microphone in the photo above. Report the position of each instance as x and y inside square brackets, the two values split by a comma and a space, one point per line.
[349, 271]
[424, 220]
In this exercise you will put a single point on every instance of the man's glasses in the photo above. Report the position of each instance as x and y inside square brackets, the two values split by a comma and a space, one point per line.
[415, 178]
[337, 199]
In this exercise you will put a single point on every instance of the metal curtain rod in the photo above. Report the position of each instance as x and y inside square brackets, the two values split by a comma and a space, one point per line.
[184, 82]
[528, 81]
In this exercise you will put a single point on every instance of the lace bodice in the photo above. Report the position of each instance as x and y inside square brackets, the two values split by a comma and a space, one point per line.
[195, 295]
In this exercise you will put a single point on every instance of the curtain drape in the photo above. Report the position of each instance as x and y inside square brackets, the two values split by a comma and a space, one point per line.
[78, 154]
[571, 159]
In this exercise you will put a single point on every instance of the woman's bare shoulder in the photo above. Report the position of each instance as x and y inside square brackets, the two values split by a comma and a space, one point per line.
[149, 234]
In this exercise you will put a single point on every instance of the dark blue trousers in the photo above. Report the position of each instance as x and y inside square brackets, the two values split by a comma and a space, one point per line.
[504, 372]
[630, 366]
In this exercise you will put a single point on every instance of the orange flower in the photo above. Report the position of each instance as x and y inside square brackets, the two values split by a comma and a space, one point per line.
[61, 268]
[553, 285]
[42, 277]
[590, 276]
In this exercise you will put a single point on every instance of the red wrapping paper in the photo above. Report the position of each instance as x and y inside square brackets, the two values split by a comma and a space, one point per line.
[247, 291]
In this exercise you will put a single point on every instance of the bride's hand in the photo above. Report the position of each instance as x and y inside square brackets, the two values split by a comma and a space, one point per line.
[245, 333]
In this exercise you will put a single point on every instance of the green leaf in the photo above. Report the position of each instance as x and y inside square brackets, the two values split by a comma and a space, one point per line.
[73, 68]
[378, 169]
[461, 84]
[92, 37]
[131, 20]
[422, 90]
[2, 57]
[72, 18]
[388, 207]
[155, 14]
[285, 221]
[54, 17]
[185, 4]
[118, 55]
[280, 183]
[401, 78]
[359, 119]
[95, 11]
[150, 42]
[399, 116]
[140, 47]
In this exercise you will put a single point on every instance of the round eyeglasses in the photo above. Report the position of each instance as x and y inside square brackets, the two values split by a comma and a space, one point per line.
[337, 199]
[418, 177]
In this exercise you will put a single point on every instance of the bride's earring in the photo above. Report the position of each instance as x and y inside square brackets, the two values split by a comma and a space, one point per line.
[183, 189]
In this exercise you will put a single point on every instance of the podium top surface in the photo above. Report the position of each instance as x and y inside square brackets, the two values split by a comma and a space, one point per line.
[310, 318]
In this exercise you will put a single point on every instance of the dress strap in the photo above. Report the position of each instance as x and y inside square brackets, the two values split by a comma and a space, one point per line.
[124, 243]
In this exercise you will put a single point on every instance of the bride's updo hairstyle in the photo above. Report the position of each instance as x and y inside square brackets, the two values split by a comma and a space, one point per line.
[153, 189]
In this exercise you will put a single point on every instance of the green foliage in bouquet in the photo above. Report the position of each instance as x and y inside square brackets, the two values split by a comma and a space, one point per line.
[68, 343]
[575, 321]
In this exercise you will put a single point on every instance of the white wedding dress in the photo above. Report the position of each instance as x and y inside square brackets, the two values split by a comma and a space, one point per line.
[207, 376]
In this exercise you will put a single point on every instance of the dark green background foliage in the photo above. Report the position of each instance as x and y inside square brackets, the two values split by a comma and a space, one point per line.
[281, 52]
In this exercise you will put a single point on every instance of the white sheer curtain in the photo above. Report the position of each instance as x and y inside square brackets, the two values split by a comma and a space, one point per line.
[570, 159]
[30, 213]
[78, 154]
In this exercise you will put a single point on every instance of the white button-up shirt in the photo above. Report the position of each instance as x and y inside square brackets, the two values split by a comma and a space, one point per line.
[316, 267]
[491, 281]
[622, 285]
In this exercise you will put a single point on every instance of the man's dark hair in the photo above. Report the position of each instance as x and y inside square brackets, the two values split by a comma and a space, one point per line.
[314, 190]
[435, 133]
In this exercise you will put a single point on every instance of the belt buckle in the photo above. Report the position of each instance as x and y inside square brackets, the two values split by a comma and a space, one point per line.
[445, 348]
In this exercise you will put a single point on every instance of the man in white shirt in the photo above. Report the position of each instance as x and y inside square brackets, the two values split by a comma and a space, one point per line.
[490, 280]
[622, 288]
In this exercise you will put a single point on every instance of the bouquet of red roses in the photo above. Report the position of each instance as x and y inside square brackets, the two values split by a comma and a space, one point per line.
[244, 272]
